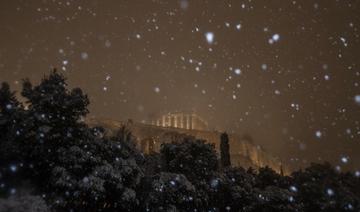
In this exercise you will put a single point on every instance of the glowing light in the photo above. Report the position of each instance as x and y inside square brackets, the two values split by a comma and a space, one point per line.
[293, 189]
[276, 37]
[264, 67]
[13, 168]
[84, 56]
[345, 159]
[330, 192]
[209, 37]
[318, 134]
[157, 89]
[357, 99]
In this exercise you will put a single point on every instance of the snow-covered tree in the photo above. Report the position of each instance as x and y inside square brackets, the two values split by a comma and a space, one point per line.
[194, 158]
[169, 192]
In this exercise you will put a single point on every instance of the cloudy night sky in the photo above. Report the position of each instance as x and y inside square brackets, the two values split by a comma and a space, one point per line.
[286, 72]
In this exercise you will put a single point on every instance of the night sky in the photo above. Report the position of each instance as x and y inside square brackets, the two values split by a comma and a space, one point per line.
[285, 72]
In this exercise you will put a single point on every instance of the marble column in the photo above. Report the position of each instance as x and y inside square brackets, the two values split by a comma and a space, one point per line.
[163, 121]
[182, 120]
[175, 121]
[187, 122]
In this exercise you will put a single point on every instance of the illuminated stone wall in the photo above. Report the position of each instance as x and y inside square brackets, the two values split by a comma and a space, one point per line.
[243, 151]
[190, 121]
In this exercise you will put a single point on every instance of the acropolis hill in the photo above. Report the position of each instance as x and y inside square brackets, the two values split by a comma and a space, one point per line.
[149, 137]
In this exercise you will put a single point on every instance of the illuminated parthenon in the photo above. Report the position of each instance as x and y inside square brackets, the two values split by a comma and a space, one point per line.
[189, 121]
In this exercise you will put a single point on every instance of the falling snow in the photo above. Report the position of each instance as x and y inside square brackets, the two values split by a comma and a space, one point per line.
[209, 37]
[289, 80]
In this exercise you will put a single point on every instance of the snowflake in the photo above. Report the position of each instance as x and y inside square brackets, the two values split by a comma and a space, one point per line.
[264, 67]
[343, 40]
[318, 133]
[13, 168]
[184, 4]
[344, 159]
[330, 192]
[209, 37]
[107, 44]
[291, 199]
[12, 191]
[85, 180]
[357, 99]
[157, 89]
[84, 56]
[293, 189]
[274, 38]
[214, 183]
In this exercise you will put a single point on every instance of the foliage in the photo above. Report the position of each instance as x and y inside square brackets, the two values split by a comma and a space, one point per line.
[23, 203]
[72, 167]
[169, 192]
[321, 188]
[71, 163]
[192, 157]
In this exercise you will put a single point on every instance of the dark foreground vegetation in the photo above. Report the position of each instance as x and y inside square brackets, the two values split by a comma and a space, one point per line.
[50, 160]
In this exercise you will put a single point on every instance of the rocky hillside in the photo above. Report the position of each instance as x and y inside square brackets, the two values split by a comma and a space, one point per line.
[244, 152]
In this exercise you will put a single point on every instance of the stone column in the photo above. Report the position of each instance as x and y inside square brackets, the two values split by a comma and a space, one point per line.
[182, 120]
[187, 122]
[173, 121]
[193, 122]
[163, 121]
[169, 121]
[176, 121]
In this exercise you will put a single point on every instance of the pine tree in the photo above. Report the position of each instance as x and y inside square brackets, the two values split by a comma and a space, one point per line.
[75, 165]
[54, 107]
[225, 150]
[11, 112]
[52, 120]
[8, 101]
[12, 168]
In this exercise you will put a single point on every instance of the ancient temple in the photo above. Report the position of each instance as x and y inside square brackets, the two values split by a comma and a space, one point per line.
[149, 137]
[189, 121]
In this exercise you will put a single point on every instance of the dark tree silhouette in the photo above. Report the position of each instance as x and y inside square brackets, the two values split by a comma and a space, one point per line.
[321, 188]
[24, 203]
[47, 150]
[51, 122]
[225, 150]
[9, 117]
[12, 157]
[268, 177]
[169, 192]
[74, 165]
[192, 157]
